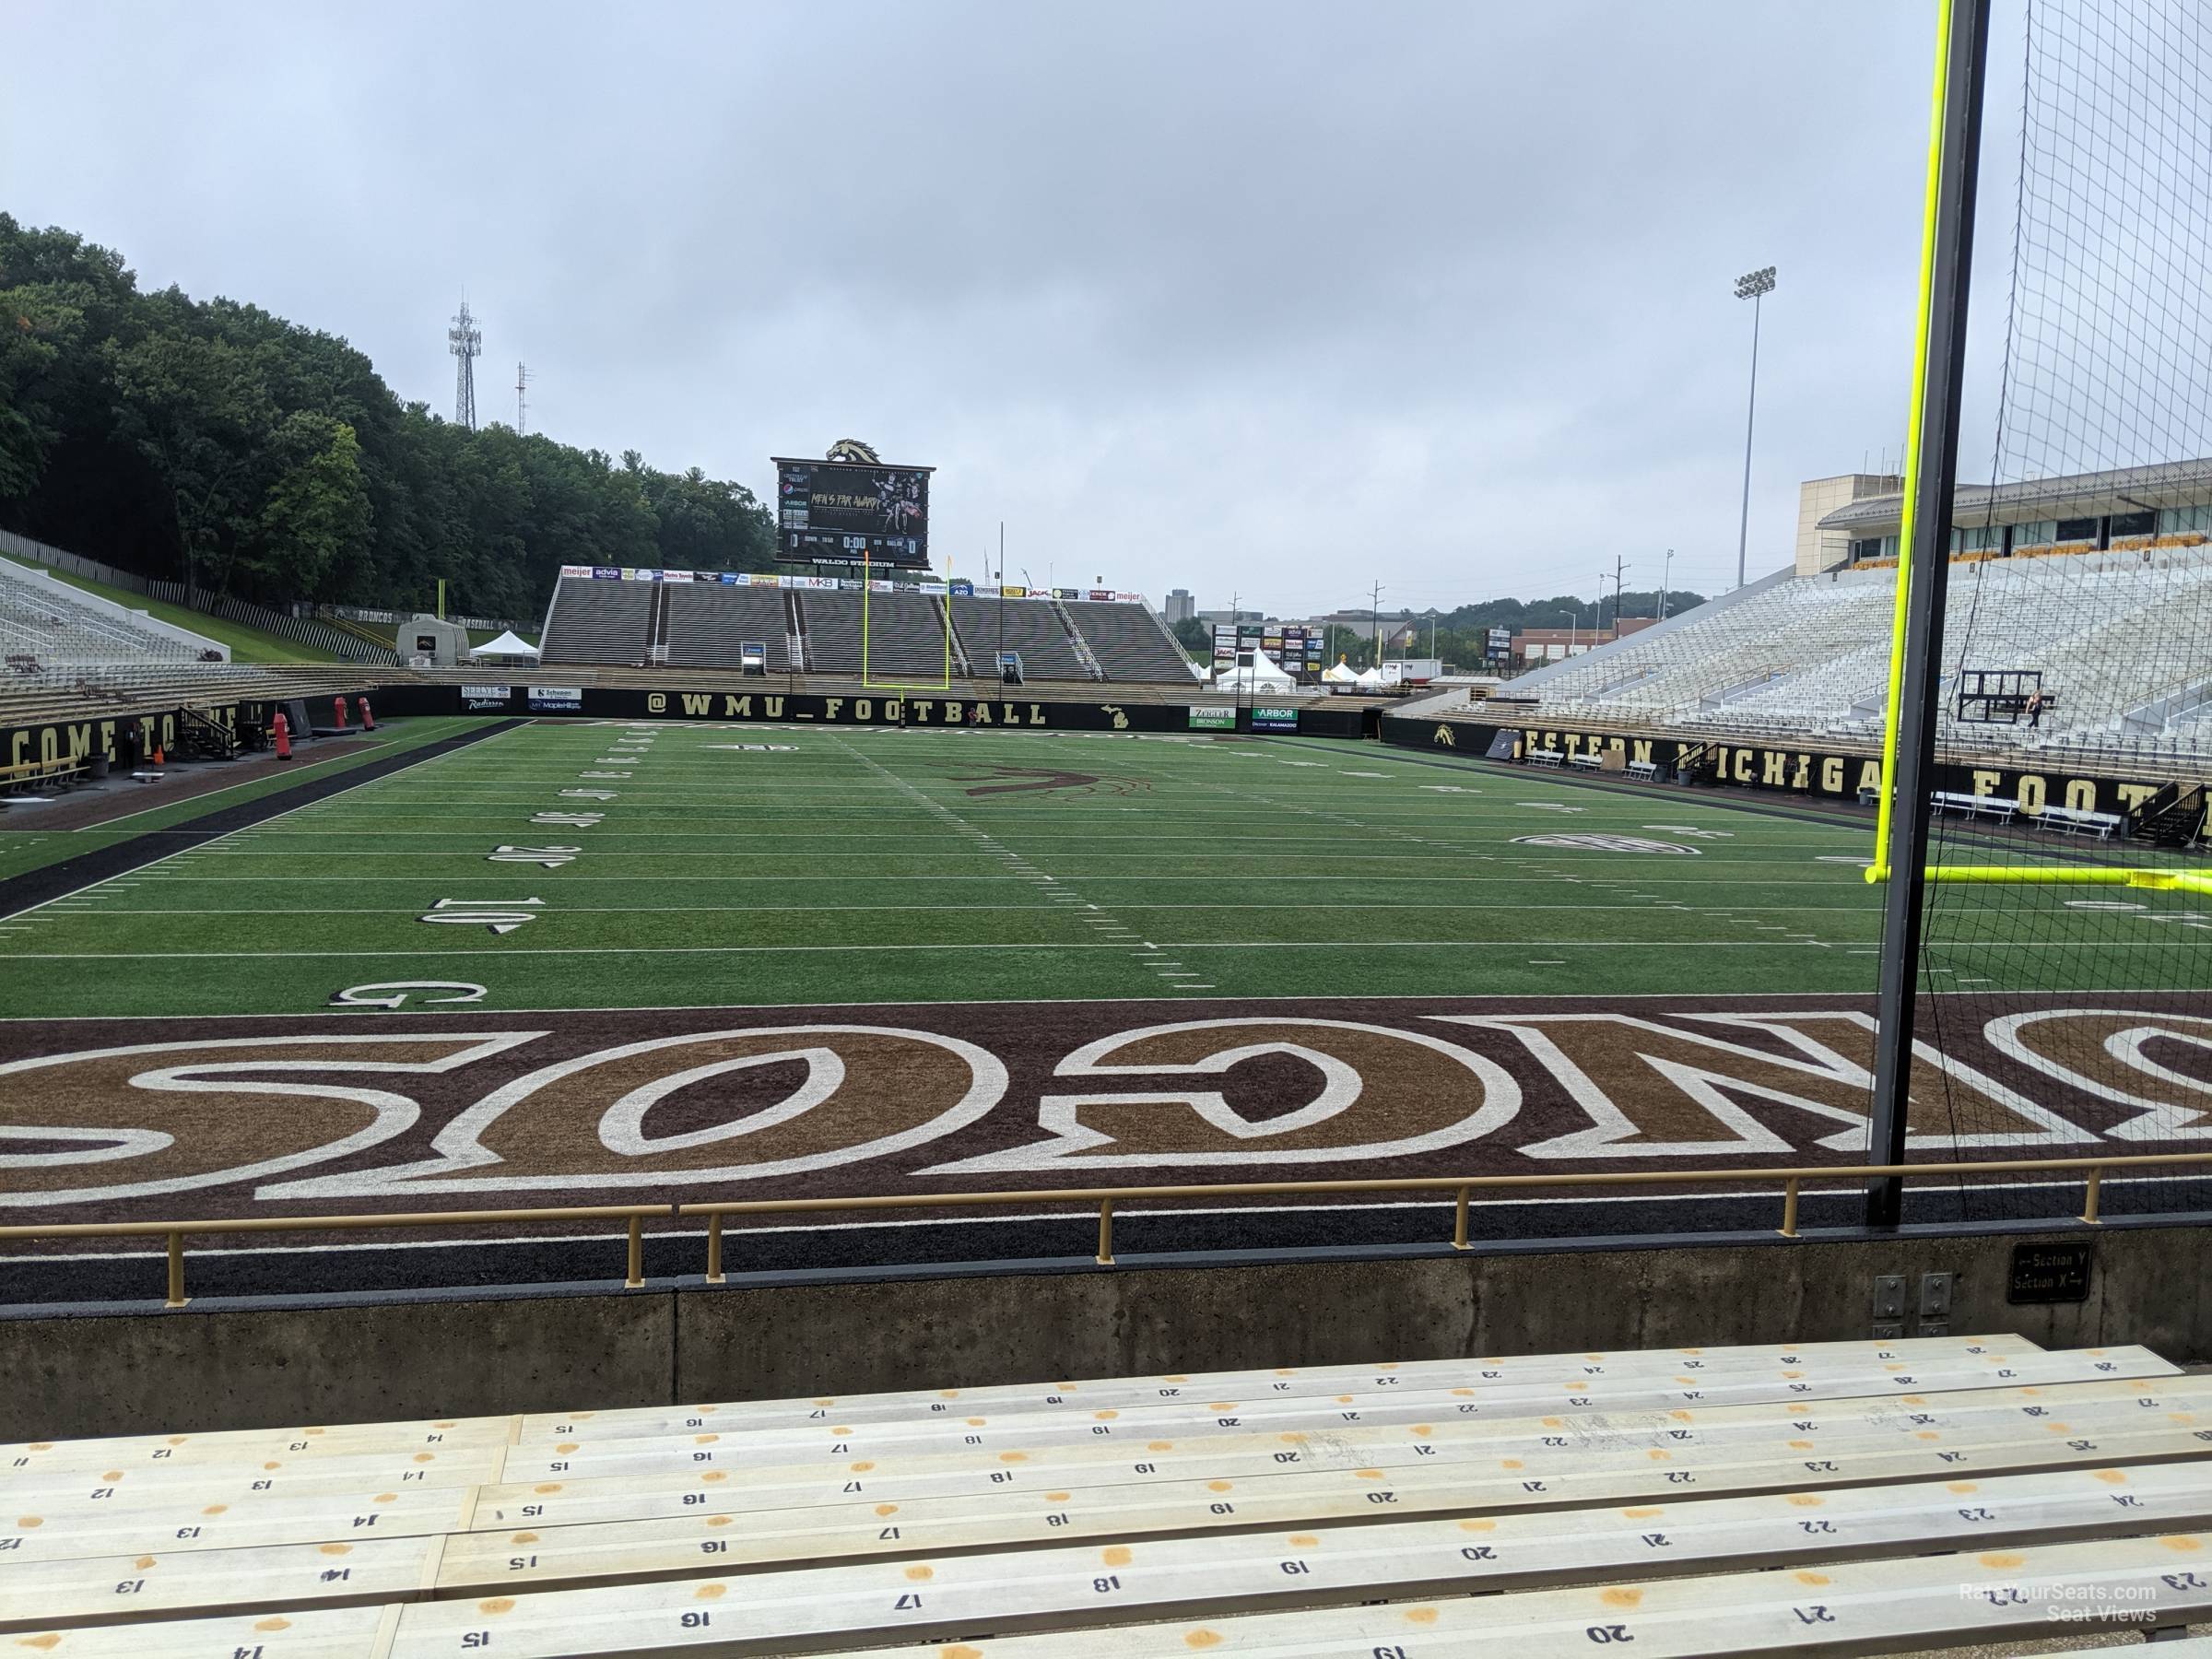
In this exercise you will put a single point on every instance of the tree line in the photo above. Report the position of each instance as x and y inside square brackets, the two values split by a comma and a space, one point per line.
[211, 442]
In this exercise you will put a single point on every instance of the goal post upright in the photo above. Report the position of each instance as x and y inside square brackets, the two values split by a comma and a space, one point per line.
[1923, 558]
[867, 672]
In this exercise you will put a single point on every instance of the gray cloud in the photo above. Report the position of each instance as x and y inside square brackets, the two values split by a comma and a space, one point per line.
[1285, 298]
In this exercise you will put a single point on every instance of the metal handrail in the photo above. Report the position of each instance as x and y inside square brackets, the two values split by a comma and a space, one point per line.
[1462, 1187]
[177, 1232]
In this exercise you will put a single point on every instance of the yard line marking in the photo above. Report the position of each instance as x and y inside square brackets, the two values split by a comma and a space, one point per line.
[200, 848]
[433, 952]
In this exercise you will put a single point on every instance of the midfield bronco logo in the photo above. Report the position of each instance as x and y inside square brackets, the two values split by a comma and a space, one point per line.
[181, 1118]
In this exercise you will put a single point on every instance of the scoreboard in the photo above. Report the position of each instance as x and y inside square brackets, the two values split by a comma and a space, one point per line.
[853, 512]
[1296, 649]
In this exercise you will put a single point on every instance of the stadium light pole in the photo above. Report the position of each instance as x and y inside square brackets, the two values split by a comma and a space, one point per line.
[1666, 575]
[1753, 285]
[1932, 473]
[1001, 664]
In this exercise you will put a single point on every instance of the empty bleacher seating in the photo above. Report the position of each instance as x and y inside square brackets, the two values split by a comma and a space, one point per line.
[43, 628]
[905, 634]
[598, 622]
[1029, 626]
[710, 622]
[1689, 1500]
[2116, 636]
[1084, 641]
[1129, 642]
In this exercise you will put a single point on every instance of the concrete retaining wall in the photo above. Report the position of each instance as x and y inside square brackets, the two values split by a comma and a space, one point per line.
[217, 1365]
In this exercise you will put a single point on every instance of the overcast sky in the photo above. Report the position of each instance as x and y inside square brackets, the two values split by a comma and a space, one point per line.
[1286, 298]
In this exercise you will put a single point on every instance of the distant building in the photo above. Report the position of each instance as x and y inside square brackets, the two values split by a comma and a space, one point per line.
[1822, 548]
[1856, 519]
[1182, 608]
[1535, 646]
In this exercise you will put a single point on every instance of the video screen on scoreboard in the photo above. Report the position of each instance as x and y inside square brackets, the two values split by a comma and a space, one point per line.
[851, 513]
[1292, 648]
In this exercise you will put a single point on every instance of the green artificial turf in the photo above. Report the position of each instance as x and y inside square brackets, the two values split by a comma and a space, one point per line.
[34, 849]
[759, 865]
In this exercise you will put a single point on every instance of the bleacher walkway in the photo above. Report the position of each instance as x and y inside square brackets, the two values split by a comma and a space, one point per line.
[1836, 1497]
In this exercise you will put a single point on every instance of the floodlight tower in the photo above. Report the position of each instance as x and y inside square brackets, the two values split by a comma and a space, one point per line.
[1754, 286]
[465, 341]
[522, 402]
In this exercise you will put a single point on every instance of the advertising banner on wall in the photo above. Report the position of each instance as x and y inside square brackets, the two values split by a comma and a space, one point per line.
[961, 586]
[1749, 763]
[1274, 720]
[479, 698]
[556, 698]
[1213, 719]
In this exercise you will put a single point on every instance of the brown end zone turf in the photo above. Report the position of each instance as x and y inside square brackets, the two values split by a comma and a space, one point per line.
[268, 1116]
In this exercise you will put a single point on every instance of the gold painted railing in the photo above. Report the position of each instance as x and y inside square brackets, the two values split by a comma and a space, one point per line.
[1102, 1199]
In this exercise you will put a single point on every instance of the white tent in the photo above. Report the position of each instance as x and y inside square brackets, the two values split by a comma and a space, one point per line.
[1339, 674]
[506, 645]
[1367, 676]
[1259, 675]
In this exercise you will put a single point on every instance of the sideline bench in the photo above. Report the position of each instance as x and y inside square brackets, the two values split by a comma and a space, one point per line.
[37, 774]
[1644, 772]
[1584, 761]
[1973, 805]
[1546, 757]
[2076, 820]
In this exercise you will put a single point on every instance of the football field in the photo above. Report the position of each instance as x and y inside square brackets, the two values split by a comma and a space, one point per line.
[576, 963]
[680, 866]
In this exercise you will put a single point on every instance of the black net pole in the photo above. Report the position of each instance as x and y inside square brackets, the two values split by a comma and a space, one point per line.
[1934, 483]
